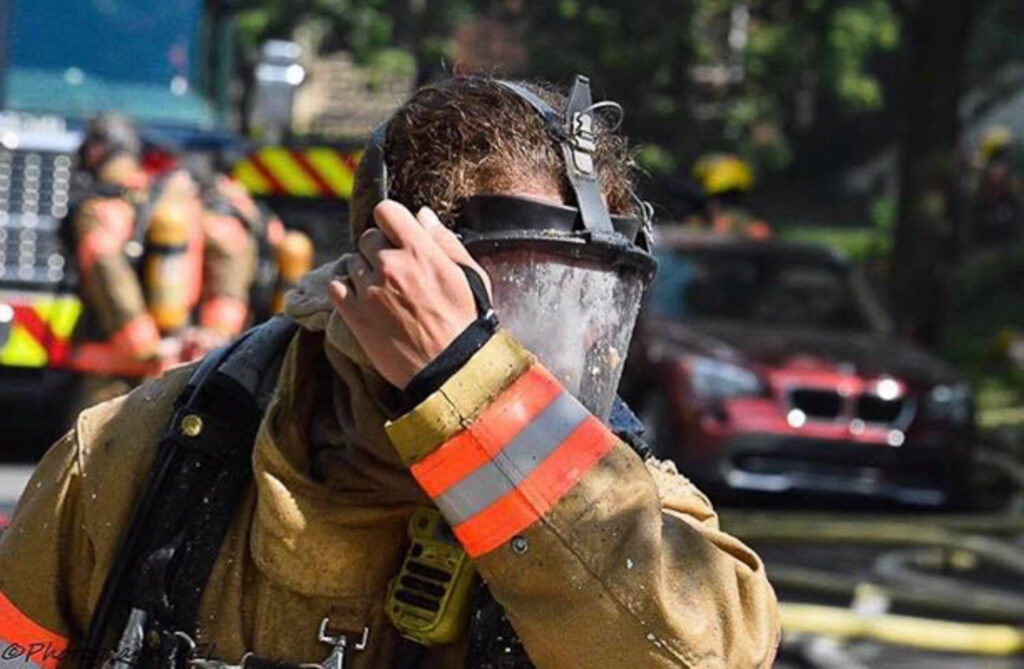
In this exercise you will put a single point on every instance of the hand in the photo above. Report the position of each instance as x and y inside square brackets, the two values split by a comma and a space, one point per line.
[169, 351]
[198, 341]
[405, 298]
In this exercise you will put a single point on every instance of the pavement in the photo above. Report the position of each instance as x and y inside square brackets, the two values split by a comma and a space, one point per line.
[13, 479]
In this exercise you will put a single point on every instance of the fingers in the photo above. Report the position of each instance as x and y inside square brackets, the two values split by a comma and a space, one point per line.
[398, 224]
[370, 244]
[450, 243]
[360, 273]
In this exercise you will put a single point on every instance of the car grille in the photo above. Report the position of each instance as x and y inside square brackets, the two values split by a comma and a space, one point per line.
[34, 197]
[817, 404]
[829, 405]
[873, 409]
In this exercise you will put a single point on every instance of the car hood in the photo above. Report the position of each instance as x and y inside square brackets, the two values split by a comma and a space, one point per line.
[866, 355]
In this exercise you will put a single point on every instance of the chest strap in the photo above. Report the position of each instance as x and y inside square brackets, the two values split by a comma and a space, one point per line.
[202, 469]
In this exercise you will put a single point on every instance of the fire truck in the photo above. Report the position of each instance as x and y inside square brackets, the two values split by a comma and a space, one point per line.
[166, 63]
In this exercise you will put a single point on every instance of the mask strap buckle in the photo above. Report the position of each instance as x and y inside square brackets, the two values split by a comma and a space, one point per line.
[584, 141]
[579, 149]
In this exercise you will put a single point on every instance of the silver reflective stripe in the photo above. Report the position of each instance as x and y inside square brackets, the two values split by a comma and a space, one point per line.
[12, 656]
[528, 449]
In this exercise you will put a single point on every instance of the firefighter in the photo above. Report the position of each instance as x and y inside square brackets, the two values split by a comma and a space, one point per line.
[444, 402]
[118, 341]
[162, 279]
[997, 191]
[278, 257]
[726, 180]
[231, 261]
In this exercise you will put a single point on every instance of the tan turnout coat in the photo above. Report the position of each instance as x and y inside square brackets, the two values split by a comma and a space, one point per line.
[626, 568]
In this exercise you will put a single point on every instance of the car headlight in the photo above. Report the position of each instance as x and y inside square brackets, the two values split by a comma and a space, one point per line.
[948, 402]
[716, 379]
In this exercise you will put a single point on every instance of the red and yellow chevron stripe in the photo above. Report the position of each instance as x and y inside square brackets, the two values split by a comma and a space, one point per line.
[320, 172]
[35, 330]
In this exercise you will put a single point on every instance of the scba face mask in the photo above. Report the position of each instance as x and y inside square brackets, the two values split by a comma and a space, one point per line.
[567, 281]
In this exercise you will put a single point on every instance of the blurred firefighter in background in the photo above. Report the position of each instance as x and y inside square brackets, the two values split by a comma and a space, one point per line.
[726, 180]
[162, 279]
[281, 256]
[997, 190]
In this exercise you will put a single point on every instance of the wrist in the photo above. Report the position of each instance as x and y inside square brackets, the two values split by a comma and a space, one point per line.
[451, 359]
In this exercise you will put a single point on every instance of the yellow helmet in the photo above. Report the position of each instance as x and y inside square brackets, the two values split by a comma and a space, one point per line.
[723, 172]
[995, 139]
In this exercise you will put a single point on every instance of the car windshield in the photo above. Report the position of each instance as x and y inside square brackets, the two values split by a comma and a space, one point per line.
[761, 288]
[78, 57]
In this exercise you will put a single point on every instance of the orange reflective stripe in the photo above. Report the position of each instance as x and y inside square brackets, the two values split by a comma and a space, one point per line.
[128, 352]
[493, 428]
[138, 337]
[541, 490]
[227, 231]
[38, 646]
[275, 232]
[224, 314]
[112, 230]
[513, 462]
[102, 358]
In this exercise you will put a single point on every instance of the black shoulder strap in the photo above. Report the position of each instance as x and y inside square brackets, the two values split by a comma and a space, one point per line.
[576, 133]
[627, 427]
[144, 214]
[202, 468]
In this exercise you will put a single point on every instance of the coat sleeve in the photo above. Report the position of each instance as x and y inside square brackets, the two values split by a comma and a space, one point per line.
[229, 266]
[110, 286]
[45, 557]
[598, 558]
[69, 524]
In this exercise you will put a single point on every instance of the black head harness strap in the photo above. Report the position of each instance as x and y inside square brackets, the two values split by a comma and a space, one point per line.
[575, 132]
[374, 157]
[577, 137]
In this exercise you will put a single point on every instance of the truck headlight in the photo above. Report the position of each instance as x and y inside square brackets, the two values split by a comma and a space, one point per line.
[717, 380]
[948, 402]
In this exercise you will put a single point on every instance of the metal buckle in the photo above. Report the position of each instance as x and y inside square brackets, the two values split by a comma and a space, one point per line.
[583, 141]
[129, 646]
[336, 659]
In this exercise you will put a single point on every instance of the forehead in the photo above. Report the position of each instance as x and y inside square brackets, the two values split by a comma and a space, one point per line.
[537, 190]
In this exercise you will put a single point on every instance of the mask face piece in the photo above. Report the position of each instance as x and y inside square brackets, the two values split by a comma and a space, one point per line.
[575, 314]
[567, 280]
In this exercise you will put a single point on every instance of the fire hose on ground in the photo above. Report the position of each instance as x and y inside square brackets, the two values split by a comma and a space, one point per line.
[971, 617]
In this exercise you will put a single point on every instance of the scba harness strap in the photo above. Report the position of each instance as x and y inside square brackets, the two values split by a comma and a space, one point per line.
[202, 467]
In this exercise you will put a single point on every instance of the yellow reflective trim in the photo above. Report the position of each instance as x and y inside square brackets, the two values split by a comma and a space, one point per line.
[251, 178]
[22, 350]
[60, 313]
[332, 169]
[291, 176]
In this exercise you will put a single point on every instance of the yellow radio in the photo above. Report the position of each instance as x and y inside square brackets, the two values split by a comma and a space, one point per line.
[430, 599]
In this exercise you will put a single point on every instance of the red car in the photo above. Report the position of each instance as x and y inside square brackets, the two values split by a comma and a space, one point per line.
[761, 366]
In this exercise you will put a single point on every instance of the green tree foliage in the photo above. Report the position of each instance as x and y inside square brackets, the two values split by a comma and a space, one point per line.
[367, 28]
[799, 67]
[792, 84]
[637, 52]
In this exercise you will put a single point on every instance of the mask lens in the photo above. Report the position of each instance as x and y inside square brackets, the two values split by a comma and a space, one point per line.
[575, 314]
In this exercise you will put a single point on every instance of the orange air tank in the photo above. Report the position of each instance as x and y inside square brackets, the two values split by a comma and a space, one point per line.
[294, 259]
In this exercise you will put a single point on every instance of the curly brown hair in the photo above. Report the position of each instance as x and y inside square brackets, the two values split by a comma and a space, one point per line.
[468, 135]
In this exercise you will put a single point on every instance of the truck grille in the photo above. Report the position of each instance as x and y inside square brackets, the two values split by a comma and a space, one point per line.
[829, 405]
[34, 194]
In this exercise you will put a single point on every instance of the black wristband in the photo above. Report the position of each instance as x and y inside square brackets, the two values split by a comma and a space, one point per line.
[458, 353]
